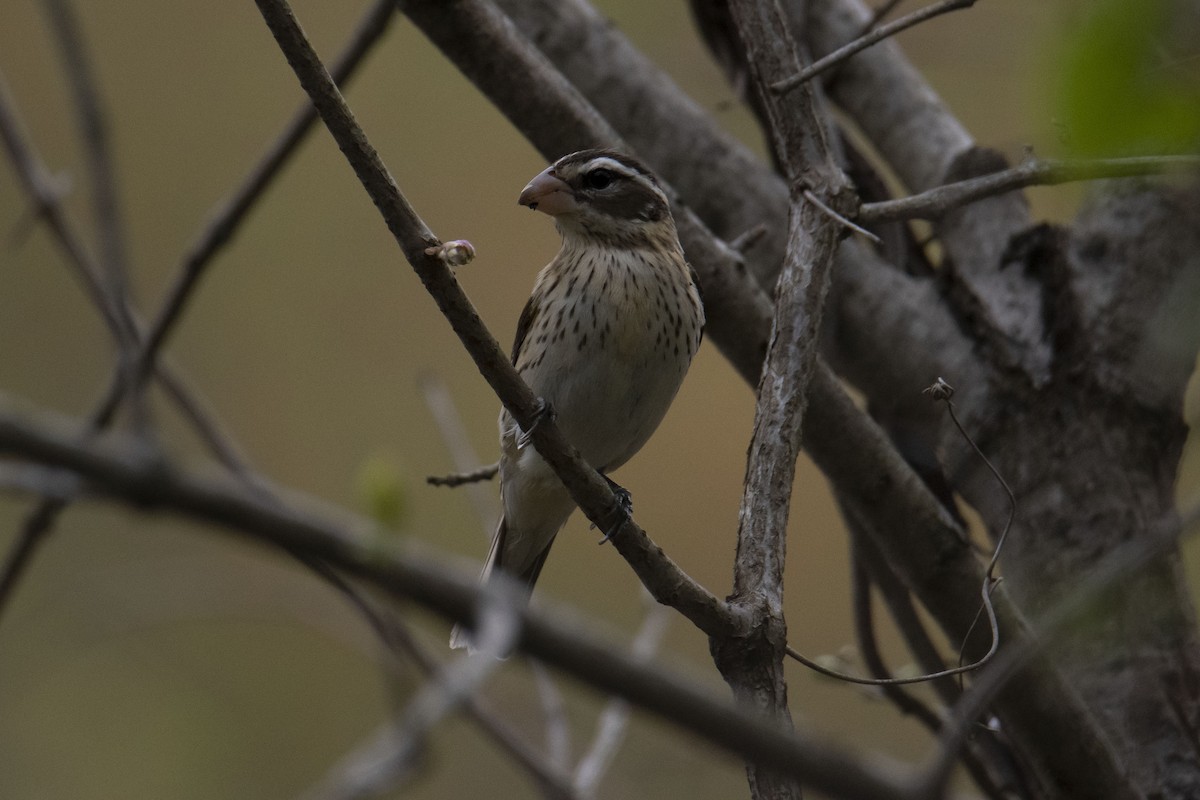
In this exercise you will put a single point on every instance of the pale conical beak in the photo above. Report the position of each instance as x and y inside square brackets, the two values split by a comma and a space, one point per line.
[548, 194]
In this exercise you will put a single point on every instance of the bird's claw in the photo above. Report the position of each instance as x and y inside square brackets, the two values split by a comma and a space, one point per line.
[542, 410]
[623, 508]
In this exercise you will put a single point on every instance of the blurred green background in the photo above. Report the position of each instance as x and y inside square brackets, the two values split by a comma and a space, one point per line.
[147, 658]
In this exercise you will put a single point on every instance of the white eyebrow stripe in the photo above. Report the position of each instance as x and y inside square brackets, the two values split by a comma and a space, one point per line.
[611, 164]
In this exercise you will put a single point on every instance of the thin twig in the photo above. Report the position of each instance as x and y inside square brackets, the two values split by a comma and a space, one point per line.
[454, 434]
[115, 311]
[94, 128]
[456, 479]
[387, 765]
[940, 200]
[614, 720]
[1116, 567]
[941, 390]
[748, 238]
[866, 40]
[462, 454]
[44, 194]
[839, 218]
[868, 644]
[228, 217]
[106, 205]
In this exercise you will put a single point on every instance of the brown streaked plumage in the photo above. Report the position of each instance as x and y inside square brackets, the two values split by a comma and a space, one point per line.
[606, 337]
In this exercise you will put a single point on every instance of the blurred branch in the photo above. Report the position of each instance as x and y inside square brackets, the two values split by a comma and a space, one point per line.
[122, 322]
[614, 720]
[588, 489]
[106, 204]
[454, 434]
[936, 202]
[463, 455]
[144, 481]
[229, 215]
[558, 727]
[868, 645]
[94, 128]
[399, 639]
[387, 763]
[44, 194]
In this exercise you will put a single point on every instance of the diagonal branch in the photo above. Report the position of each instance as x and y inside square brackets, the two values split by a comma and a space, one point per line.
[226, 221]
[94, 128]
[874, 36]
[350, 543]
[588, 489]
[122, 323]
[119, 317]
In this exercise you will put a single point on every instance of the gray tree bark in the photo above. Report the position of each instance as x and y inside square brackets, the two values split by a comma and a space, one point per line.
[1070, 349]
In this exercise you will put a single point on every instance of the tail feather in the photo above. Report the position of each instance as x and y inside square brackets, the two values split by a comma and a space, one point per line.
[461, 637]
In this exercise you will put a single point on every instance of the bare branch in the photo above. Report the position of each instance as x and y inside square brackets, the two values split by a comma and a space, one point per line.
[229, 216]
[399, 639]
[558, 728]
[753, 665]
[588, 489]
[351, 543]
[868, 644]
[122, 323]
[874, 36]
[454, 434]
[615, 717]
[1106, 577]
[388, 763]
[936, 202]
[912, 527]
[43, 192]
[454, 479]
[94, 128]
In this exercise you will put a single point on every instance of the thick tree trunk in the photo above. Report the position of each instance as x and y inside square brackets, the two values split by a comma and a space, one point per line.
[1092, 454]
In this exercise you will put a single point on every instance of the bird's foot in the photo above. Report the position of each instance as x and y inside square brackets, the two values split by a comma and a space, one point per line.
[623, 509]
[542, 410]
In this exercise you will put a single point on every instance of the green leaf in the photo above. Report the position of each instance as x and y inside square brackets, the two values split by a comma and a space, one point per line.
[1128, 83]
[382, 491]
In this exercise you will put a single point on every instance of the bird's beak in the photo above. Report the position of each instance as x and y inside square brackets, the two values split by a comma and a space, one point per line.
[548, 194]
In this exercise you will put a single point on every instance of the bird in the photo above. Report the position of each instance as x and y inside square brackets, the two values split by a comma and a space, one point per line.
[604, 342]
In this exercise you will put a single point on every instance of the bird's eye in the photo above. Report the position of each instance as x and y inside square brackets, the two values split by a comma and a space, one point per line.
[598, 179]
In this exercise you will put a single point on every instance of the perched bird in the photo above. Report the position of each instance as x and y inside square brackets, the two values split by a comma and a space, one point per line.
[605, 340]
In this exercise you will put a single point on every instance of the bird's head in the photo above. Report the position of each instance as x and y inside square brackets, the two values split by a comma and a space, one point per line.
[602, 195]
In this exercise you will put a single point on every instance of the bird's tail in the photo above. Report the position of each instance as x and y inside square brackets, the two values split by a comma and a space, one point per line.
[461, 637]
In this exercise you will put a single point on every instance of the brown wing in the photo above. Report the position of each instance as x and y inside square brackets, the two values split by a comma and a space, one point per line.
[700, 292]
[528, 314]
